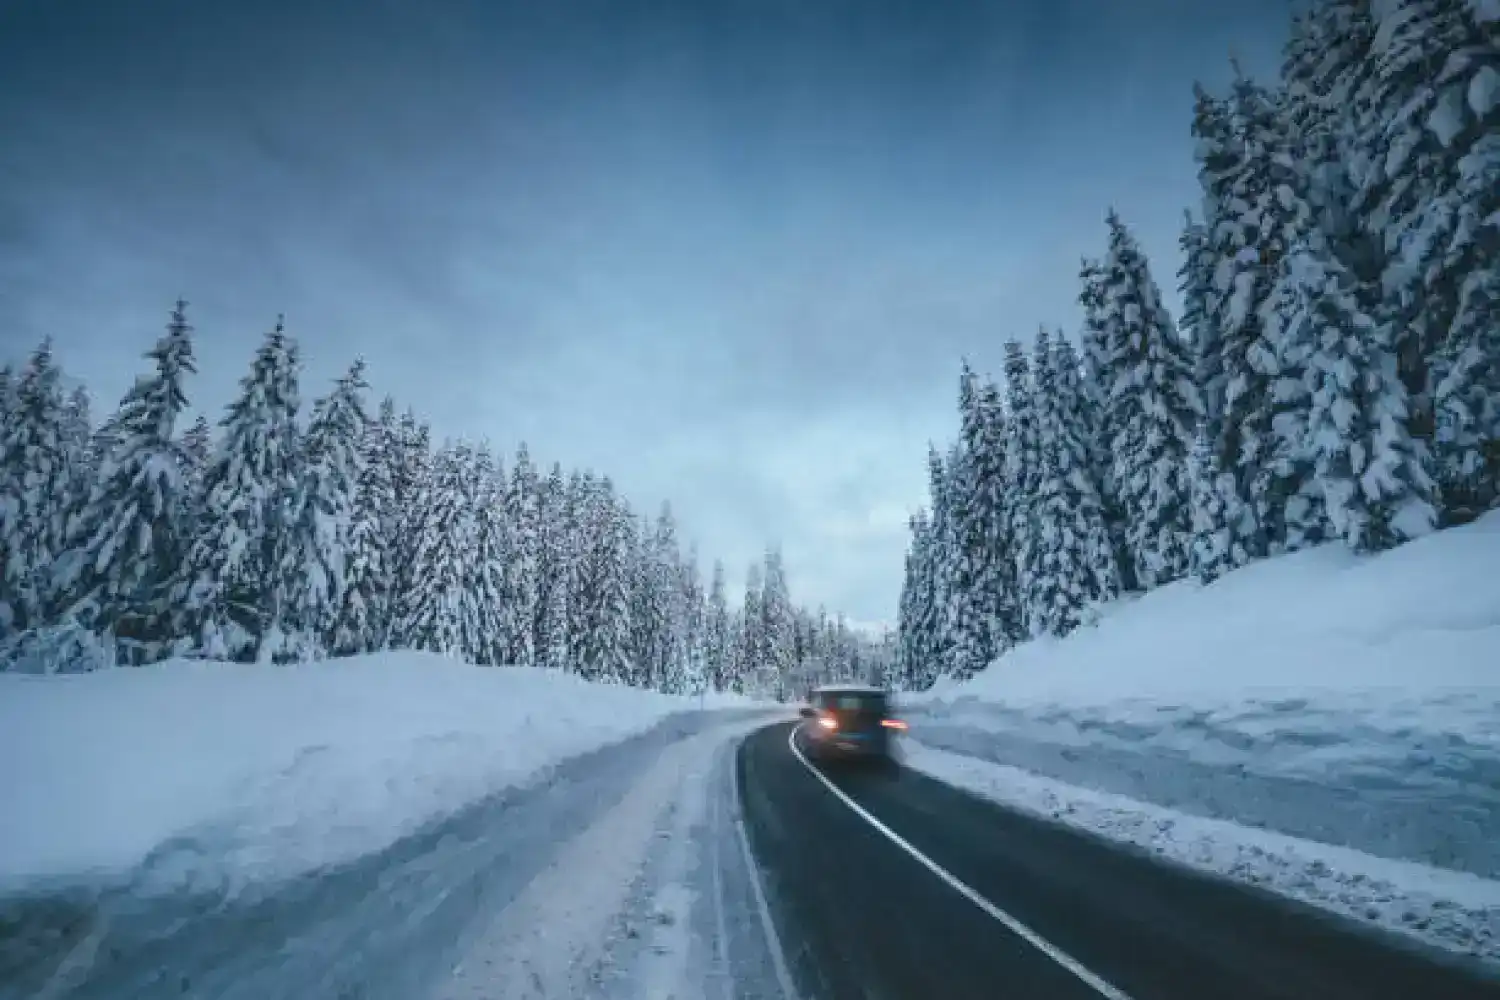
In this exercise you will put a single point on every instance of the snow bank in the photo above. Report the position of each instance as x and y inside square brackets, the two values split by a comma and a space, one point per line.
[273, 770]
[1349, 700]
[1452, 910]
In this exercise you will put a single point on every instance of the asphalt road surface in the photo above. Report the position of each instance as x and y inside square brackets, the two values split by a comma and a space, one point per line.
[978, 901]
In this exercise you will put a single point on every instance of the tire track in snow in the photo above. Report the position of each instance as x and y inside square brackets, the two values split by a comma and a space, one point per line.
[559, 936]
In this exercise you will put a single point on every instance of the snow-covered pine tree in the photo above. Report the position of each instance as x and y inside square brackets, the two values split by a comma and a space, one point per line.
[694, 676]
[718, 637]
[583, 520]
[1368, 467]
[33, 501]
[1151, 412]
[943, 553]
[1211, 553]
[672, 653]
[776, 614]
[82, 465]
[975, 600]
[1254, 210]
[440, 618]
[612, 623]
[228, 596]
[750, 646]
[1068, 559]
[653, 599]
[521, 570]
[1425, 148]
[363, 621]
[486, 585]
[314, 567]
[196, 448]
[1097, 349]
[556, 573]
[1022, 474]
[411, 470]
[129, 538]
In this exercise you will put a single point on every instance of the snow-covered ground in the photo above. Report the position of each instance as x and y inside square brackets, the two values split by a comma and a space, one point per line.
[391, 826]
[270, 772]
[1339, 700]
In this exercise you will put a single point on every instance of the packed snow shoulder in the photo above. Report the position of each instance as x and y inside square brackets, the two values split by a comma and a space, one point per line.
[277, 771]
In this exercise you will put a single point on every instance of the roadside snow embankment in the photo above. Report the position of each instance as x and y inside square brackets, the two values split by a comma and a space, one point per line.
[1349, 701]
[272, 771]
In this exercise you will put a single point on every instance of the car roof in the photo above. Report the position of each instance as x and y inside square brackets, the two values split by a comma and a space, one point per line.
[848, 689]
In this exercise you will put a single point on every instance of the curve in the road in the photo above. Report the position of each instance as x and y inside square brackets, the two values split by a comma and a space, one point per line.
[1097, 983]
[877, 884]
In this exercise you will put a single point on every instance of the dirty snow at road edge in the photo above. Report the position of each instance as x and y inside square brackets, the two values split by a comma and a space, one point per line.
[634, 905]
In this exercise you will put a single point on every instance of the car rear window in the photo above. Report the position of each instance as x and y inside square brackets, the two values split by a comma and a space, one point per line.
[856, 701]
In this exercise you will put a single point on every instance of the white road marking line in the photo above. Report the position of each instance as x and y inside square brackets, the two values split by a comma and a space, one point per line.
[773, 940]
[1062, 958]
[717, 830]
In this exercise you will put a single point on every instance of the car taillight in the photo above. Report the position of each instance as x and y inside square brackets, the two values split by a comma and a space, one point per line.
[893, 724]
[828, 722]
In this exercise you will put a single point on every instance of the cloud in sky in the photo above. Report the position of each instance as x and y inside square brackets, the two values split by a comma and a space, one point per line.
[728, 252]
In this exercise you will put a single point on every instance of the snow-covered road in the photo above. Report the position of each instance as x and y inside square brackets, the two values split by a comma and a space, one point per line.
[620, 874]
[653, 899]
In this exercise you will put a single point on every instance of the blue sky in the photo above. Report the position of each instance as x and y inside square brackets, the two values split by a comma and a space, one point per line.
[729, 252]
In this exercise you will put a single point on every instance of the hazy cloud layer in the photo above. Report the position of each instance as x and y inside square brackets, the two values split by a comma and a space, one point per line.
[728, 252]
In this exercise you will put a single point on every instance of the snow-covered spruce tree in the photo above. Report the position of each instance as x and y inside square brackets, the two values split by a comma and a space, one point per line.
[1211, 553]
[582, 521]
[521, 584]
[412, 469]
[667, 556]
[228, 596]
[81, 464]
[750, 645]
[314, 566]
[440, 614]
[556, 573]
[694, 673]
[651, 599]
[1151, 412]
[1068, 559]
[717, 634]
[1367, 465]
[363, 619]
[976, 598]
[1022, 474]
[908, 609]
[486, 584]
[196, 449]
[603, 628]
[776, 614]
[1425, 125]
[943, 473]
[129, 538]
[33, 501]
[1096, 349]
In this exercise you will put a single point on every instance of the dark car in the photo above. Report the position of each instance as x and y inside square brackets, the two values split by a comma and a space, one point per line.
[850, 722]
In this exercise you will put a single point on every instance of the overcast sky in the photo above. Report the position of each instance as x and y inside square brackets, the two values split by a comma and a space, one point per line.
[729, 252]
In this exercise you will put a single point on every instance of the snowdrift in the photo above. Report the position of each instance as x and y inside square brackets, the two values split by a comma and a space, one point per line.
[1324, 697]
[277, 770]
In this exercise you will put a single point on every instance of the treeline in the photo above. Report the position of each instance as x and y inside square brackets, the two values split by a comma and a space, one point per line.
[1335, 374]
[281, 536]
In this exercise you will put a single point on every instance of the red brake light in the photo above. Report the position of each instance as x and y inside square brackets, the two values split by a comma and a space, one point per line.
[893, 724]
[828, 722]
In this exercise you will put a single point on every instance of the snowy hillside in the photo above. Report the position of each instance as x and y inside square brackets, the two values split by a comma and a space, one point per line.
[1338, 699]
[267, 772]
